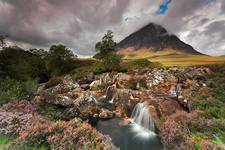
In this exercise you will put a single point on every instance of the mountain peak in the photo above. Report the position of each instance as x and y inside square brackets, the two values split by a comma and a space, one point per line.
[155, 37]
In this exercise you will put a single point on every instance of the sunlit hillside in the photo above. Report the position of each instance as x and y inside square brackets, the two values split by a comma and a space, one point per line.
[172, 57]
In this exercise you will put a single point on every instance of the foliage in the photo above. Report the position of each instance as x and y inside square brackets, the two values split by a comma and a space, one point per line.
[107, 45]
[140, 64]
[110, 63]
[25, 147]
[22, 65]
[20, 106]
[194, 127]
[60, 60]
[13, 122]
[64, 135]
[53, 82]
[213, 102]
[12, 89]
[174, 134]
[52, 112]
[85, 68]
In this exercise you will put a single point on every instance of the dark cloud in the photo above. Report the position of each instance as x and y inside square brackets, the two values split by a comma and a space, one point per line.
[80, 23]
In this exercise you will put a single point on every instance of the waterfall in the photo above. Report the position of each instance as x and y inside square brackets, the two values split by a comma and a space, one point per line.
[142, 117]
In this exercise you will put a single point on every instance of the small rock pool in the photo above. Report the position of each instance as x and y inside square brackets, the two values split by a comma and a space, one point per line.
[129, 136]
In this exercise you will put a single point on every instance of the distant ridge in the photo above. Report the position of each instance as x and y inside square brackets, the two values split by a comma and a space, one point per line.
[156, 38]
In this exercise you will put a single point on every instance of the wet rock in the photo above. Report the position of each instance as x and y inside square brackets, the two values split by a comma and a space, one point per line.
[85, 86]
[106, 114]
[95, 84]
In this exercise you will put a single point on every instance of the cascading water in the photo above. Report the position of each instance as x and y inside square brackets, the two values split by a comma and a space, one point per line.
[143, 119]
[137, 135]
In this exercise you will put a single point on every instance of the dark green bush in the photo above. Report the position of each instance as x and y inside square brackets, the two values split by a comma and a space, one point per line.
[53, 82]
[140, 64]
[110, 63]
[13, 89]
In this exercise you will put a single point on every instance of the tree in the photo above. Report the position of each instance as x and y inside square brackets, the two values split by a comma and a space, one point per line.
[60, 60]
[112, 62]
[107, 45]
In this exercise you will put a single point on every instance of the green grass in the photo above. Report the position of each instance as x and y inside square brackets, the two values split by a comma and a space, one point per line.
[4, 140]
[213, 104]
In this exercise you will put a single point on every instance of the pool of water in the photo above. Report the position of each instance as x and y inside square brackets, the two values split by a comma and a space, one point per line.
[129, 136]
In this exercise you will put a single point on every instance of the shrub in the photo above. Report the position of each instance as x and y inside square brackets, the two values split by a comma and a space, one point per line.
[110, 63]
[52, 112]
[140, 64]
[13, 122]
[20, 106]
[64, 135]
[174, 135]
[213, 102]
[12, 89]
[53, 82]
[189, 128]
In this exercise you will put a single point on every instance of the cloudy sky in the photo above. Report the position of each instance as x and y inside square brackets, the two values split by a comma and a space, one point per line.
[79, 24]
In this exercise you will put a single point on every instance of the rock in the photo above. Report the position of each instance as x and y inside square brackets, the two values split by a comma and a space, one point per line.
[61, 100]
[66, 86]
[106, 114]
[85, 98]
[105, 78]
[85, 86]
[110, 92]
[95, 84]
[121, 76]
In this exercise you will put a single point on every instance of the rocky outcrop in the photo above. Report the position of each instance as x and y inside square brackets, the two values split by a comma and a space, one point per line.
[165, 91]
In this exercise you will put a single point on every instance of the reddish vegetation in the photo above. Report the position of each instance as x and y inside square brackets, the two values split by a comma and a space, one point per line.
[65, 135]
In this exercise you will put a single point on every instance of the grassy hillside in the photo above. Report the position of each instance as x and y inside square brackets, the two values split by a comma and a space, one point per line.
[173, 58]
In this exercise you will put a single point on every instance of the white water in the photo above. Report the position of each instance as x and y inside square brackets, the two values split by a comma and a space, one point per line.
[142, 119]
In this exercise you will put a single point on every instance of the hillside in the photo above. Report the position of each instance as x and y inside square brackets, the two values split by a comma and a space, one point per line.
[156, 38]
[171, 57]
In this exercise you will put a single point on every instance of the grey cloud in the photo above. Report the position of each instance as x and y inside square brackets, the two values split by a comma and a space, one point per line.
[81, 23]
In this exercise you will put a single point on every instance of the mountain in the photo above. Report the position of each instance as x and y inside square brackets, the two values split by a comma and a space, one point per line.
[155, 37]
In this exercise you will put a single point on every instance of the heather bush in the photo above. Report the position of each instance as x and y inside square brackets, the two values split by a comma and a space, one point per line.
[208, 145]
[184, 130]
[20, 106]
[174, 135]
[64, 135]
[16, 115]
[13, 122]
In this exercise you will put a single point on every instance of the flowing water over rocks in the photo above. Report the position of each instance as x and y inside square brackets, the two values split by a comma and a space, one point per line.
[142, 117]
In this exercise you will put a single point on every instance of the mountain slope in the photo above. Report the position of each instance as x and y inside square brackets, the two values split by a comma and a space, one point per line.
[156, 38]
